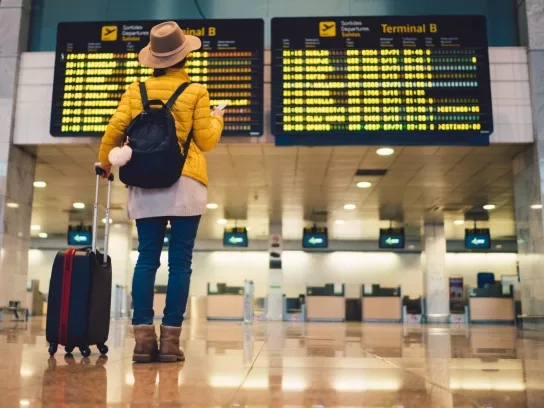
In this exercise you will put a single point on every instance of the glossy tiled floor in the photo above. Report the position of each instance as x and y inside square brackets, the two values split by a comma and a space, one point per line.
[284, 365]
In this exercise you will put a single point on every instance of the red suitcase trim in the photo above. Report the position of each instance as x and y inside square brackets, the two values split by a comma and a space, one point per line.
[65, 302]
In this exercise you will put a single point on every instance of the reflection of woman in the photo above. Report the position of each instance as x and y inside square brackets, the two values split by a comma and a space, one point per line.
[182, 204]
[145, 384]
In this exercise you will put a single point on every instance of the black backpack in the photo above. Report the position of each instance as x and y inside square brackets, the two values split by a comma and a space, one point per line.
[157, 160]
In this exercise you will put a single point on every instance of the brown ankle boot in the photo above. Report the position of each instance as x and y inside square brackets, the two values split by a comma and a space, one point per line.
[146, 349]
[169, 351]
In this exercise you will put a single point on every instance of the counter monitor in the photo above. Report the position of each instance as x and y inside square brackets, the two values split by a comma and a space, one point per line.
[96, 62]
[420, 80]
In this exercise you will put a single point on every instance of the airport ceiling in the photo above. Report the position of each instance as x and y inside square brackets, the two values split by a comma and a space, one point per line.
[255, 183]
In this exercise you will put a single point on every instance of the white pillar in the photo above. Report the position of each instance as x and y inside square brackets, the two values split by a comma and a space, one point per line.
[119, 248]
[17, 165]
[275, 274]
[434, 273]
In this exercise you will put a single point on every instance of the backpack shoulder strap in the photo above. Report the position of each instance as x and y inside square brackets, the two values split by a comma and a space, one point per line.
[187, 143]
[145, 99]
[176, 94]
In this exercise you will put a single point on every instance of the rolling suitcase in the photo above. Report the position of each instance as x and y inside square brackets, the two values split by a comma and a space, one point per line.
[79, 302]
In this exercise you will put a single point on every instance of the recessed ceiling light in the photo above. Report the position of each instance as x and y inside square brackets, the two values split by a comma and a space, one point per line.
[459, 222]
[489, 207]
[536, 206]
[42, 234]
[221, 221]
[24, 403]
[385, 151]
[364, 184]
[339, 222]
[12, 205]
[35, 227]
[40, 184]
[350, 207]
[212, 206]
[104, 221]
[79, 206]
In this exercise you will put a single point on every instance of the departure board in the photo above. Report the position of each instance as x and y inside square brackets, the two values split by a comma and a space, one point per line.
[96, 62]
[418, 80]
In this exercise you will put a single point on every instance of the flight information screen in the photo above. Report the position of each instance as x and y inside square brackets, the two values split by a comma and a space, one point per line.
[378, 80]
[96, 62]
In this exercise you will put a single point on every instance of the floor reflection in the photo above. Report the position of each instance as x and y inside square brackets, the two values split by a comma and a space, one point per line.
[285, 365]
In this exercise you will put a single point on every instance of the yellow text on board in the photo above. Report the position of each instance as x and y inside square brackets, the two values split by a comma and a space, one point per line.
[410, 28]
[201, 32]
[109, 33]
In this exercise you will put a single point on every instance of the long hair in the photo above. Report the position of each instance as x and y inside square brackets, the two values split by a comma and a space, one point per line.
[157, 72]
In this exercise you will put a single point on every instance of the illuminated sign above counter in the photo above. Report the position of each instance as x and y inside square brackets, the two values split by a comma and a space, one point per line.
[235, 237]
[477, 238]
[315, 237]
[79, 235]
[381, 80]
[95, 62]
[392, 238]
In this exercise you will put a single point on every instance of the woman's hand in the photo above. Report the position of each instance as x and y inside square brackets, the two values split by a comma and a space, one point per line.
[105, 167]
[218, 112]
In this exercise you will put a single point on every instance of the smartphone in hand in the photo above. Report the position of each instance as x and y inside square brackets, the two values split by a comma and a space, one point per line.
[220, 107]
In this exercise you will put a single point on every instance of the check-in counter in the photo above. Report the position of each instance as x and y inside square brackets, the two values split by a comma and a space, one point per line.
[412, 310]
[381, 304]
[326, 303]
[294, 309]
[159, 300]
[225, 302]
[492, 304]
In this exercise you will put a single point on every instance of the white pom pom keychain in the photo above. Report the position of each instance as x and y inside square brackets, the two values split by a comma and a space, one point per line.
[119, 156]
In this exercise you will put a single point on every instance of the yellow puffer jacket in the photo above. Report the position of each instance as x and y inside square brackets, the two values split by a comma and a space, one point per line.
[191, 111]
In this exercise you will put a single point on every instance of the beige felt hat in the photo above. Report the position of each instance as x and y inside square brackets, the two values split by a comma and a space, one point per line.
[168, 45]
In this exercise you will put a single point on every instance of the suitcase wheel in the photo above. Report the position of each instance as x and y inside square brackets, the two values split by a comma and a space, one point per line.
[85, 351]
[53, 347]
[69, 350]
[103, 349]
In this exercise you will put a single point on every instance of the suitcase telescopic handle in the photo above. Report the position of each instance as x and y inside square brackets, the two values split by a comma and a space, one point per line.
[99, 173]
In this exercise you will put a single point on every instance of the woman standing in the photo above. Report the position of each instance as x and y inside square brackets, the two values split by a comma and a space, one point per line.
[181, 204]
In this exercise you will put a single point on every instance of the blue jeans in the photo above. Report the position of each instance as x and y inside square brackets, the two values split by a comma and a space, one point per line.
[151, 232]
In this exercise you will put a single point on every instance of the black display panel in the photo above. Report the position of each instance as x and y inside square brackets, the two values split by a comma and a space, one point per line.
[477, 238]
[392, 238]
[95, 62]
[415, 80]
[235, 237]
[315, 237]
